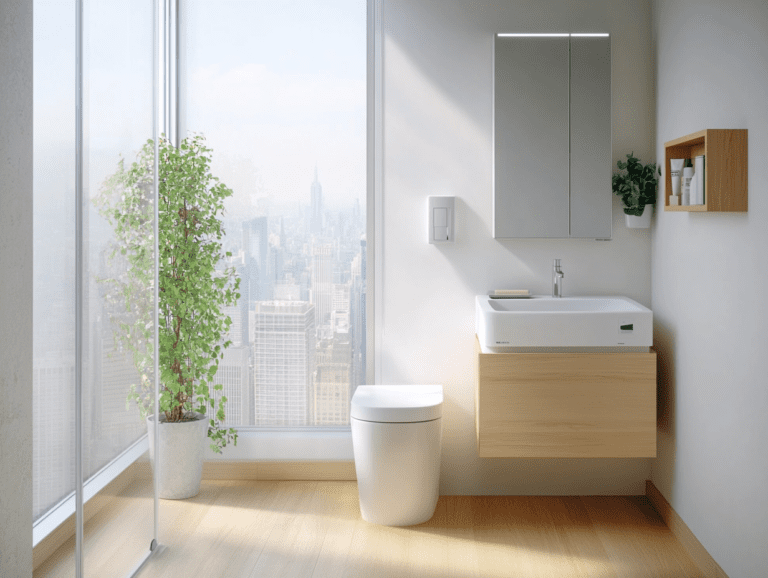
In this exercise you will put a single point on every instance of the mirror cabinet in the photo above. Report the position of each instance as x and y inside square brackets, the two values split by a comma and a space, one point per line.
[552, 137]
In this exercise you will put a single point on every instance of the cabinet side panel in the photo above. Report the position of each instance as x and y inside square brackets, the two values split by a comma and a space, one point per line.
[477, 393]
[726, 169]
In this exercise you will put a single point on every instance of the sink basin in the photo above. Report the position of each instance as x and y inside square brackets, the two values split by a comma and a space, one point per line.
[572, 323]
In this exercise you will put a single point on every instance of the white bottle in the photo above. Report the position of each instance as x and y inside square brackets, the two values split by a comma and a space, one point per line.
[699, 177]
[686, 186]
[693, 197]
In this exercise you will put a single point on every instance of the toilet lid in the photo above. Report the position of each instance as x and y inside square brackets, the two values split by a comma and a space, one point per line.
[397, 403]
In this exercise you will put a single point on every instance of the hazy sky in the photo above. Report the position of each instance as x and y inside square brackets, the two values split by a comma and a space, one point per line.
[276, 86]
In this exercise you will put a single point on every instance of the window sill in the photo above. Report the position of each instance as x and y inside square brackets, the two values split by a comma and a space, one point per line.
[281, 444]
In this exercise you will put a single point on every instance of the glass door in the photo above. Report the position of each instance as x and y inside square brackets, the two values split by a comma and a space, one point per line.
[95, 110]
[117, 315]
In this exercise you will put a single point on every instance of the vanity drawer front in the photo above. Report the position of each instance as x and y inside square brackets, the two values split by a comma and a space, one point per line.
[565, 405]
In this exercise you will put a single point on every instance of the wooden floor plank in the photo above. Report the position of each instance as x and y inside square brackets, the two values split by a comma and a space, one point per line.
[450, 549]
[251, 511]
[293, 547]
[233, 531]
[636, 539]
[344, 513]
[580, 541]
[313, 529]
[376, 551]
[518, 537]
[182, 533]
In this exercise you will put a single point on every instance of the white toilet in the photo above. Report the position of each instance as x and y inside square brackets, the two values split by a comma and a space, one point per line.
[396, 435]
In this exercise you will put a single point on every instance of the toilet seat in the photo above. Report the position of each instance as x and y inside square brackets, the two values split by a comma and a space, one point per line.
[397, 403]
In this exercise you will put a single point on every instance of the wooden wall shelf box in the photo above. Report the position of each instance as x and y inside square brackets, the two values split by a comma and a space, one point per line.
[565, 405]
[725, 170]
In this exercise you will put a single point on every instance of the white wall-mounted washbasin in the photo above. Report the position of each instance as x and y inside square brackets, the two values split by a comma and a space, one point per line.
[540, 321]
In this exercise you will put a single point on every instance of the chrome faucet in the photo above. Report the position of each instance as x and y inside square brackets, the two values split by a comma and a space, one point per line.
[557, 280]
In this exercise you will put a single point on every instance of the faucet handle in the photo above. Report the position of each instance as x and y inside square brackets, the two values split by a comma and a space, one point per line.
[557, 263]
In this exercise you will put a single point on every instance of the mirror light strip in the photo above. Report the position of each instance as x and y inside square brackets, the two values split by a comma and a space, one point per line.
[553, 34]
[529, 34]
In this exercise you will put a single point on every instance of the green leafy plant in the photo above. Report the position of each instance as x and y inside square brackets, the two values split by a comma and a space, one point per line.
[636, 184]
[194, 289]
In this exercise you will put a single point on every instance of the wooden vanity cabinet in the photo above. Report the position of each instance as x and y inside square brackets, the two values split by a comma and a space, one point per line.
[565, 405]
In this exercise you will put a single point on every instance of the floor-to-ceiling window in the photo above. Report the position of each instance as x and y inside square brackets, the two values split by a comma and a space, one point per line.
[279, 91]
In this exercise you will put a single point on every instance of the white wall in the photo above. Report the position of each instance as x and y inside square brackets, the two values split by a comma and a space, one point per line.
[16, 288]
[710, 282]
[437, 132]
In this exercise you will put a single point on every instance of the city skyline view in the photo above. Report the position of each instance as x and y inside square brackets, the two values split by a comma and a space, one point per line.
[282, 104]
[301, 316]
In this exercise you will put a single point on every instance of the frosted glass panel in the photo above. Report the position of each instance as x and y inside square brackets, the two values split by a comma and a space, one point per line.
[118, 121]
[53, 314]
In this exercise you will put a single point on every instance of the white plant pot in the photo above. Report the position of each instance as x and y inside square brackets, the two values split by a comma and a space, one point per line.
[640, 222]
[182, 447]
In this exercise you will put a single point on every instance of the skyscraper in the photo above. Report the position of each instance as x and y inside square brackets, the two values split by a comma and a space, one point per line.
[243, 304]
[283, 361]
[235, 333]
[116, 426]
[340, 307]
[53, 454]
[234, 371]
[356, 321]
[322, 282]
[256, 284]
[362, 311]
[316, 210]
[234, 376]
[331, 391]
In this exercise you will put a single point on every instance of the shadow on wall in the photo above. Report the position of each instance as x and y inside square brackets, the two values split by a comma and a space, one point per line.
[462, 254]
[662, 468]
[431, 35]
[664, 343]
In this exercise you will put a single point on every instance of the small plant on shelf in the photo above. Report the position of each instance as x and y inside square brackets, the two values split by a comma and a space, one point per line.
[636, 184]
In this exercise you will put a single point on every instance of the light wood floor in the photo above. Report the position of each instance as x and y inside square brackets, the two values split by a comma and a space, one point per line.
[313, 529]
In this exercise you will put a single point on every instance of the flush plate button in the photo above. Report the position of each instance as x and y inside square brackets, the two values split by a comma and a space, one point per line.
[441, 219]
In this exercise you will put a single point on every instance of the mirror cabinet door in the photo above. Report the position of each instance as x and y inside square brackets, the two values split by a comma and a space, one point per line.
[591, 194]
[530, 137]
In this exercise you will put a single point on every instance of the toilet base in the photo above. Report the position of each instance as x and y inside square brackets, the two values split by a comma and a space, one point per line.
[398, 470]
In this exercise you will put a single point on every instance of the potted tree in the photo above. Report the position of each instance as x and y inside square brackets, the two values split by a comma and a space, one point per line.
[193, 291]
[636, 184]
